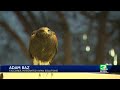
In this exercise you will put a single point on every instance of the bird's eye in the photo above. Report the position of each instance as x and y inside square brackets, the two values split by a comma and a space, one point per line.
[49, 30]
[32, 33]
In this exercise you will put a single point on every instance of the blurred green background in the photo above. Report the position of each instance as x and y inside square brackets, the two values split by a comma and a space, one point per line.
[85, 37]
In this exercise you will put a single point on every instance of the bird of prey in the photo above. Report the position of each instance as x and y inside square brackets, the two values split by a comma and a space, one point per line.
[43, 46]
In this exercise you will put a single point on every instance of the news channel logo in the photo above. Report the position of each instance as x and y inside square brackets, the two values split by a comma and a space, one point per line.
[103, 68]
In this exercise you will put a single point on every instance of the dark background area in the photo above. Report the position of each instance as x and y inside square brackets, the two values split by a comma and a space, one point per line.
[85, 37]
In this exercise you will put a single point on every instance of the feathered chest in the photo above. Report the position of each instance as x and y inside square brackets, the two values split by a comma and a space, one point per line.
[44, 47]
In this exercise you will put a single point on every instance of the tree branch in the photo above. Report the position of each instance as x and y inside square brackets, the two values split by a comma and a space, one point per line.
[86, 14]
[16, 37]
[34, 20]
[25, 23]
[66, 38]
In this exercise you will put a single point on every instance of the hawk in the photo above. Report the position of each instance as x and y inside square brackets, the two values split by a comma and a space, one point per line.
[43, 46]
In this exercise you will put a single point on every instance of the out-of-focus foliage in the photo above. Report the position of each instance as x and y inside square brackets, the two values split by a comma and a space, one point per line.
[85, 37]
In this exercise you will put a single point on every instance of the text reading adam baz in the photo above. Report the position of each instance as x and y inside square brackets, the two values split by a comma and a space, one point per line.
[18, 68]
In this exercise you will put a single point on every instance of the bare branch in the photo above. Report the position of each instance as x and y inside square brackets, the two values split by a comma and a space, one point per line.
[44, 19]
[25, 23]
[86, 14]
[34, 20]
[66, 38]
[16, 37]
[63, 21]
